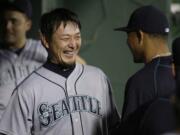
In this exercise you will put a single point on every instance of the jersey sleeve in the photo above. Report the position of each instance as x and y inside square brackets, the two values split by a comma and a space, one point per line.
[17, 118]
[113, 118]
[130, 100]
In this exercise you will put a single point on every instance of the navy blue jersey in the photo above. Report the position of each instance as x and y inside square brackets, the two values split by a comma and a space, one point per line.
[159, 117]
[154, 80]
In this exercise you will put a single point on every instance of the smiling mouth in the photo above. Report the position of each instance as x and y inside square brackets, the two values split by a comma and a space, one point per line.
[70, 53]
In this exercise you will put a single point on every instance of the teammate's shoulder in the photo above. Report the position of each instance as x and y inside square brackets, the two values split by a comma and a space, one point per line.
[33, 42]
[36, 46]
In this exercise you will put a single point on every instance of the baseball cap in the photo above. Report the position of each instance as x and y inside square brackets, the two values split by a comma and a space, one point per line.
[148, 19]
[23, 6]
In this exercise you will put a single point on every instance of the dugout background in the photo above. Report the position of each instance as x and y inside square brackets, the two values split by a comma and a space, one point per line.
[102, 46]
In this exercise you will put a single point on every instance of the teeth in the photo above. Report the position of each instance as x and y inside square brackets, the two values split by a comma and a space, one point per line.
[69, 52]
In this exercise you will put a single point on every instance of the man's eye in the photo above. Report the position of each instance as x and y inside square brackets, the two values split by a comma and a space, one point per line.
[65, 39]
[77, 37]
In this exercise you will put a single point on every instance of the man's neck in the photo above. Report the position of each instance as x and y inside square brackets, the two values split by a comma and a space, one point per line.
[18, 45]
[156, 50]
[60, 68]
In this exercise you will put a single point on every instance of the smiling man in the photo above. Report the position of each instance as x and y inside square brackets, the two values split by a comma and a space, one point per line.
[62, 97]
[65, 44]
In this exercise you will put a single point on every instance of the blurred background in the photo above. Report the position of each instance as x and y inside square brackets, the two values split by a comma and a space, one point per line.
[102, 46]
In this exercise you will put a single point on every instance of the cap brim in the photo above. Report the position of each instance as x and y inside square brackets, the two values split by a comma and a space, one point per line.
[121, 29]
[125, 29]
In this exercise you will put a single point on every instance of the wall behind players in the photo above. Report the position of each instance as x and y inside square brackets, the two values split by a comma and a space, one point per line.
[102, 46]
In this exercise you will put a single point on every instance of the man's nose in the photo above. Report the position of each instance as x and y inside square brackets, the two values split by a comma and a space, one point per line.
[8, 25]
[72, 42]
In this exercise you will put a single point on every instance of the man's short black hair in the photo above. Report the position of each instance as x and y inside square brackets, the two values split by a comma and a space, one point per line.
[52, 20]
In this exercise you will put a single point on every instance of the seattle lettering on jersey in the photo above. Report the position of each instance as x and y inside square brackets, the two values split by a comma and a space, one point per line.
[48, 114]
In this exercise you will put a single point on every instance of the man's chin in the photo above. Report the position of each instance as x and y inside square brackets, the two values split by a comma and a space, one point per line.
[9, 41]
[69, 64]
[137, 60]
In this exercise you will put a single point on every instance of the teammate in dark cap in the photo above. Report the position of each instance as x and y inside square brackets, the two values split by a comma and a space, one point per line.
[147, 32]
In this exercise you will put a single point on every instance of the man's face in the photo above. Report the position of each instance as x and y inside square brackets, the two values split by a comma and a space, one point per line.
[135, 47]
[14, 27]
[65, 44]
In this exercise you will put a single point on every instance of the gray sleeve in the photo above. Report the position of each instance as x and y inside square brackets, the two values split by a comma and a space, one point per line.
[113, 117]
[17, 118]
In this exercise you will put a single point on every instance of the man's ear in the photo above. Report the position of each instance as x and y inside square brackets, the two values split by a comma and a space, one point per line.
[28, 24]
[140, 35]
[43, 40]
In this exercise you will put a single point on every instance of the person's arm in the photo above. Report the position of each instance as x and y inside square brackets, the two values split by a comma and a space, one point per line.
[113, 116]
[130, 100]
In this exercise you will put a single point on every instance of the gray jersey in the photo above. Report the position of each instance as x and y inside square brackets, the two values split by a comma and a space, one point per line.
[49, 104]
[14, 68]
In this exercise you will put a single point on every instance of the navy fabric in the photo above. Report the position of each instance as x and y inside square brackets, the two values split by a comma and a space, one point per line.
[153, 118]
[63, 70]
[154, 80]
[160, 117]
[148, 19]
[176, 51]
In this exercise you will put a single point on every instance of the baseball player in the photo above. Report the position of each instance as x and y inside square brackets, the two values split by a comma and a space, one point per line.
[61, 97]
[19, 55]
[147, 32]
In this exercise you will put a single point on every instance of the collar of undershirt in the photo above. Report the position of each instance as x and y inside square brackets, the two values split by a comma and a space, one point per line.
[65, 71]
